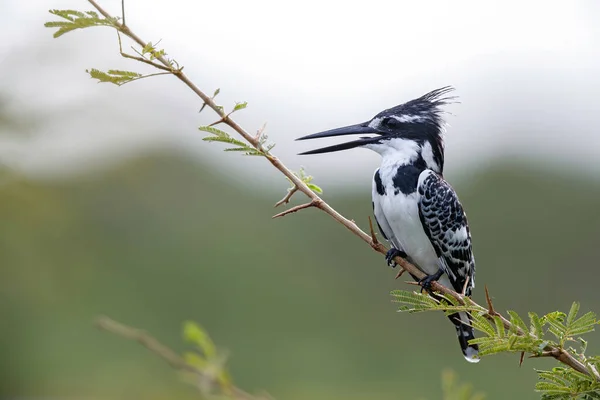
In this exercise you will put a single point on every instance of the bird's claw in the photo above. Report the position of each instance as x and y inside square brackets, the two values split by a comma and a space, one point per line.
[393, 253]
[429, 279]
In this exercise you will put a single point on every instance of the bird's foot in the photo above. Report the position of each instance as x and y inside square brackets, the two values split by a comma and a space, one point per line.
[391, 254]
[429, 279]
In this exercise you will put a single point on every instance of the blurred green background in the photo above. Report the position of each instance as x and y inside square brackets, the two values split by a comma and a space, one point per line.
[301, 304]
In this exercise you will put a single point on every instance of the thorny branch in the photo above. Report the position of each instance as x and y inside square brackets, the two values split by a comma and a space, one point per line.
[558, 353]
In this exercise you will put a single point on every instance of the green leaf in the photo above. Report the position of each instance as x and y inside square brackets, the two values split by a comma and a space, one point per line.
[482, 324]
[114, 76]
[517, 321]
[214, 131]
[195, 360]
[584, 344]
[499, 326]
[583, 325]
[512, 341]
[147, 48]
[551, 388]
[240, 106]
[416, 302]
[77, 20]
[314, 188]
[536, 325]
[572, 313]
[223, 137]
[216, 92]
[193, 333]
[492, 346]
[555, 321]
[307, 179]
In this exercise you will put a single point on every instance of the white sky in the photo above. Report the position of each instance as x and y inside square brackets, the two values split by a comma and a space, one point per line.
[527, 74]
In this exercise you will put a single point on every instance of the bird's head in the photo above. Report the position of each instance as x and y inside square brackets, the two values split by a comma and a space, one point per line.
[408, 130]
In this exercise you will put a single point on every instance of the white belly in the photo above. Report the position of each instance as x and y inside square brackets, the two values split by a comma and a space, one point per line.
[402, 214]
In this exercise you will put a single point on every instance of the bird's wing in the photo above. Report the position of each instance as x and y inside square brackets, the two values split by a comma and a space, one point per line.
[382, 223]
[445, 223]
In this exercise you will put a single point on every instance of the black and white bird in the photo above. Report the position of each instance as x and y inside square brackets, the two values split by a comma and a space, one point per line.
[417, 211]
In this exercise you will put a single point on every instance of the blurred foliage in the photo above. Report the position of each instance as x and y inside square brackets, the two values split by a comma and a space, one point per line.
[205, 358]
[161, 240]
[453, 390]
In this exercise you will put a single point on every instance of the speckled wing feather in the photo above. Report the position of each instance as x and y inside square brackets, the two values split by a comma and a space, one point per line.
[445, 223]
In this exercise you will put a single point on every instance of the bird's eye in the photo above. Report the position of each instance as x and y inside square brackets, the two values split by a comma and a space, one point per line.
[391, 122]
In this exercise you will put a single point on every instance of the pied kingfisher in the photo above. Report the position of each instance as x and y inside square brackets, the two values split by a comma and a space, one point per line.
[416, 210]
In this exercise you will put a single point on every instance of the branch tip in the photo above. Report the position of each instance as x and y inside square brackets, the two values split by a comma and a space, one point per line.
[521, 358]
[399, 274]
[295, 209]
[287, 197]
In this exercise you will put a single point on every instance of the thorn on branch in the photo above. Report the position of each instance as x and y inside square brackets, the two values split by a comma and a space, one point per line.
[218, 121]
[211, 98]
[521, 358]
[399, 274]
[287, 197]
[488, 299]
[295, 209]
[374, 241]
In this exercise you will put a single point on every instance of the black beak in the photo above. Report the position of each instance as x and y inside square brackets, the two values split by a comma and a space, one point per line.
[358, 129]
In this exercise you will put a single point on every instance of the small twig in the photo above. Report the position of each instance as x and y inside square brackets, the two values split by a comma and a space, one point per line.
[294, 209]
[287, 197]
[145, 76]
[141, 58]
[547, 353]
[123, 11]
[146, 61]
[152, 344]
[164, 352]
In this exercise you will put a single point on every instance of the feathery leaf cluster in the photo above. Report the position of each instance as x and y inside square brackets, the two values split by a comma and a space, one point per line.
[77, 20]
[540, 337]
[218, 135]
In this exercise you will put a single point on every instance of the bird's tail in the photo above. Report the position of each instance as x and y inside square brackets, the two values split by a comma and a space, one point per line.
[464, 331]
